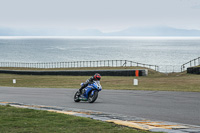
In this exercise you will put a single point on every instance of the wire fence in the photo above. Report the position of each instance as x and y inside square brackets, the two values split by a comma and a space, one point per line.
[79, 64]
[169, 68]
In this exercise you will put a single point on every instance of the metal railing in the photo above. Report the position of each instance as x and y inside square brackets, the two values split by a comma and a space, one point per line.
[101, 63]
[191, 63]
[79, 64]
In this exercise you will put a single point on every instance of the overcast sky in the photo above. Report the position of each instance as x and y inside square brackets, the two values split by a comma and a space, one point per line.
[104, 15]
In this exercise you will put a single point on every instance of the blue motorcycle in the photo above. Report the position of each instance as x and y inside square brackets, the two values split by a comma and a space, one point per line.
[89, 93]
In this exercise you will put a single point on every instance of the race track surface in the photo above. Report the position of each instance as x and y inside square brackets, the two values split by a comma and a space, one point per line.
[179, 107]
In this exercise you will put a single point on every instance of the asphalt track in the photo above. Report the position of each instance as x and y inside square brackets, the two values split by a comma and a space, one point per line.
[179, 107]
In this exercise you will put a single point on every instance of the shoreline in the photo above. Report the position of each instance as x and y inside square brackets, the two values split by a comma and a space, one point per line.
[100, 37]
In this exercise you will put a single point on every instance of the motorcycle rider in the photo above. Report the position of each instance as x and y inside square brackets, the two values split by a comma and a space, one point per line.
[96, 77]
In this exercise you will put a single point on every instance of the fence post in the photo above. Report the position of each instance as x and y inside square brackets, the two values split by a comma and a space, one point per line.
[112, 63]
[199, 60]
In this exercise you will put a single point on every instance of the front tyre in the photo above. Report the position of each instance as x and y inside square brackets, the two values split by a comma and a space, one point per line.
[76, 97]
[92, 96]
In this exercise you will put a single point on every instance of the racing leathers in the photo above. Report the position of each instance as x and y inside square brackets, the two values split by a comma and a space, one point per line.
[88, 81]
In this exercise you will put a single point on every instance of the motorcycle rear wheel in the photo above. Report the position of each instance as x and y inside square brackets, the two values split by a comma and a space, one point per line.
[93, 97]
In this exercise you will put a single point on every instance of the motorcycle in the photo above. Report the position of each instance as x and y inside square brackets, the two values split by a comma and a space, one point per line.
[89, 93]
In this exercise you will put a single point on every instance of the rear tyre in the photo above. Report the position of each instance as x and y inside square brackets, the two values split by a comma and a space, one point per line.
[93, 97]
[76, 97]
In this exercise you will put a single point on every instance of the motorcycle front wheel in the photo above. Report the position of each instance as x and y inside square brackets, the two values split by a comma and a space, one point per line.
[76, 97]
[93, 97]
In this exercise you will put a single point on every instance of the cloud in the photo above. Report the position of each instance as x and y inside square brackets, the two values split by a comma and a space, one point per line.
[196, 7]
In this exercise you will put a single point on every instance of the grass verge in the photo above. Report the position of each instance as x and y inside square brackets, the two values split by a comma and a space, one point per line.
[155, 81]
[15, 120]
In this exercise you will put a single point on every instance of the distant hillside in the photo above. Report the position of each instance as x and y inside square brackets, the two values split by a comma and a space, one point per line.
[153, 31]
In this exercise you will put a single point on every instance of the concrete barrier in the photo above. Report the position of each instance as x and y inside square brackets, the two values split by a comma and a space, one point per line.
[127, 72]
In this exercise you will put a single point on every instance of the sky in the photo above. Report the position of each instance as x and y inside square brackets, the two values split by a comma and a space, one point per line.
[103, 15]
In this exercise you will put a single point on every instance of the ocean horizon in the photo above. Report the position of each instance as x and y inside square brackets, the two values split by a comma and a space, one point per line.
[125, 37]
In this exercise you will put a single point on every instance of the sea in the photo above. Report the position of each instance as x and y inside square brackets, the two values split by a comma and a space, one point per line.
[169, 53]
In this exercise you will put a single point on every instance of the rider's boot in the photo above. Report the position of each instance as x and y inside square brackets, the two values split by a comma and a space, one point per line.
[80, 90]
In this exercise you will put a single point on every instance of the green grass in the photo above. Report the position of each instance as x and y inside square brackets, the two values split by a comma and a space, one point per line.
[17, 120]
[154, 81]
